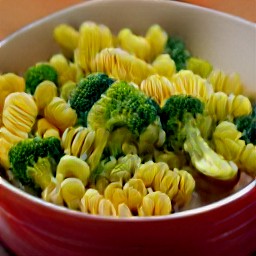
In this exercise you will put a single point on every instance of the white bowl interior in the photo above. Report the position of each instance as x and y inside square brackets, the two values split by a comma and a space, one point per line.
[226, 41]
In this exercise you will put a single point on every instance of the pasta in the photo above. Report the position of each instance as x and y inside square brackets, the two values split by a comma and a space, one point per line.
[186, 82]
[60, 114]
[67, 37]
[42, 102]
[119, 64]
[67, 71]
[222, 82]
[112, 172]
[92, 39]
[157, 87]
[228, 142]
[136, 45]
[224, 107]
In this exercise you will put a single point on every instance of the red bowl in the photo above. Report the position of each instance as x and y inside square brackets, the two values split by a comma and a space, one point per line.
[30, 226]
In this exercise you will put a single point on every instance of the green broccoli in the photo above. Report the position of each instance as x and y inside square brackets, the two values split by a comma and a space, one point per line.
[34, 75]
[122, 108]
[176, 48]
[247, 125]
[175, 111]
[179, 121]
[87, 92]
[122, 105]
[33, 160]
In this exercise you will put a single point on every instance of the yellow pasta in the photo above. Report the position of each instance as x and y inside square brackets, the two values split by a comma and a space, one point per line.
[45, 129]
[67, 37]
[169, 157]
[71, 166]
[186, 82]
[157, 87]
[229, 84]
[92, 39]
[226, 107]
[164, 65]
[125, 168]
[161, 178]
[78, 141]
[9, 83]
[155, 203]
[66, 90]
[134, 44]
[94, 203]
[121, 65]
[72, 191]
[19, 113]
[7, 140]
[247, 159]
[60, 114]
[226, 139]
[42, 102]
[157, 38]
[228, 143]
[52, 193]
[67, 71]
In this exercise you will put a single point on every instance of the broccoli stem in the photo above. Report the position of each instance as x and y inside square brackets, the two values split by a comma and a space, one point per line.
[41, 172]
[205, 159]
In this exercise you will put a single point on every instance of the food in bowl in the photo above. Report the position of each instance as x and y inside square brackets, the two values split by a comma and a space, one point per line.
[30, 225]
[126, 124]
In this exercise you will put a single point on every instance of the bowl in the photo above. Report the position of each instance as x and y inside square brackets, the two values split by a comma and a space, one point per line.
[31, 226]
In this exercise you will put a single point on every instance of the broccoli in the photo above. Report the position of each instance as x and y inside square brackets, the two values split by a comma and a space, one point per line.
[247, 125]
[176, 48]
[39, 73]
[175, 111]
[33, 160]
[87, 92]
[178, 118]
[122, 105]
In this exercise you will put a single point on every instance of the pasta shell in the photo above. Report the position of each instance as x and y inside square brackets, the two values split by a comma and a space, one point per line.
[67, 37]
[226, 83]
[19, 114]
[72, 191]
[157, 87]
[186, 82]
[60, 114]
[121, 65]
[134, 44]
[155, 203]
[157, 38]
[42, 99]
[10, 83]
[92, 39]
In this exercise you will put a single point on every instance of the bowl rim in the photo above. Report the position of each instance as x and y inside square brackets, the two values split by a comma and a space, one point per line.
[64, 210]
[251, 187]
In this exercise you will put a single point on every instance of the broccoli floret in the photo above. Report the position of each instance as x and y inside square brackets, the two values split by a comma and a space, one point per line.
[179, 121]
[175, 112]
[33, 160]
[247, 125]
[37, 74]
[176, 48]
[87, 92]
[122, 105]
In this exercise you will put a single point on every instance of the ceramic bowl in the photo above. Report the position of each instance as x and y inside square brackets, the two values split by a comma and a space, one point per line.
[30, 226]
